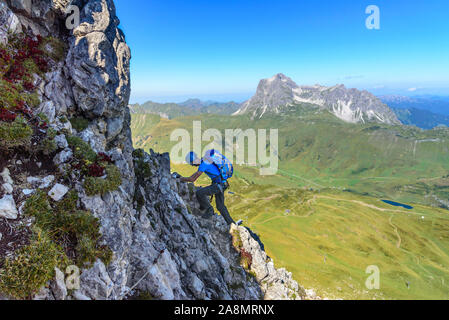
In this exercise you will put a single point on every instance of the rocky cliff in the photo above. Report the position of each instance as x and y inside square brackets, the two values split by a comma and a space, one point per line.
[75, 192]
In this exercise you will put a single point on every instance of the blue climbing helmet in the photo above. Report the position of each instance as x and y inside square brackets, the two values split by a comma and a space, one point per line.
[191, 157]
[221, 162]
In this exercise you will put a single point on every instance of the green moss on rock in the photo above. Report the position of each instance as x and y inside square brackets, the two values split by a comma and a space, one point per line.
[138, 153]
[48, 145]
[100, 186]
[81, 149]
[237, 242]
[139, 199]
[79, 123]
[14, 134]
[53, 48]
[142, 169]
[38, 206]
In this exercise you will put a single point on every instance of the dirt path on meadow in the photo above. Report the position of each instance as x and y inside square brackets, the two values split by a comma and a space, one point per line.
[308, 202]
[398, 245]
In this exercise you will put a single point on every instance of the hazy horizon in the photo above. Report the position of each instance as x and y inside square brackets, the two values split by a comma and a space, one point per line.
[242, 97]
[223, 49]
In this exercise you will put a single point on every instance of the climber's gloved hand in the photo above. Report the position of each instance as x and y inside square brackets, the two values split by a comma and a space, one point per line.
[176, 175]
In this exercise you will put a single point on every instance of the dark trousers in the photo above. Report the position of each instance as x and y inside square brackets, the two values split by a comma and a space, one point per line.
[203, 195]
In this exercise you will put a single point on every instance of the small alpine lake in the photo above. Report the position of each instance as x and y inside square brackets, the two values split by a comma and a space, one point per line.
[397, 204]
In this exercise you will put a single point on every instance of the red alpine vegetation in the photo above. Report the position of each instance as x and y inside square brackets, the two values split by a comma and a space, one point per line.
[7, 116]
[103, 157]
[28, 86]
[21, 108]
[77, 166]
[247, 257]
[43, 125]
[95, 170]
[13, 60]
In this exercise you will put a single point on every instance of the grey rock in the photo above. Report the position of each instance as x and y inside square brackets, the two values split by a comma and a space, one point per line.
[77, 295]
[8, 188]
[6, 176]
[58, 286]
[48, 108]
[28, 192]
[115, 126]
[277, 284]
[197, 287]
[41, 183]
[44, 294]
[61, 141]
[8, 208]
[33, 181]
[63, 156]
[46, 182]
[96, 282]
[8, 22]
[22, 5]
[58, 192]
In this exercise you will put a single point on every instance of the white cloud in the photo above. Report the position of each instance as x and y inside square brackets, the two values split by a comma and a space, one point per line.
[352, 77]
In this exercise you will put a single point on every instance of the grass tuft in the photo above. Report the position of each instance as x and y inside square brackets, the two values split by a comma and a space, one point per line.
[81, 149]
[79, 123]
[32, 267]
[100, 186]
[14, 134]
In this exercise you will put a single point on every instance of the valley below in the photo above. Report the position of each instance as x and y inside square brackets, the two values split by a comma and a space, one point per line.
[327, 238]
[322, 216]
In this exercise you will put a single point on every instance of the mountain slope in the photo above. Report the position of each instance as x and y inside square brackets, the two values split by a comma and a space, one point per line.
[350, 105]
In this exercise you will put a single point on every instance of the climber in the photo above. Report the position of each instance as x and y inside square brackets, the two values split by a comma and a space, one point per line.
[219, 176]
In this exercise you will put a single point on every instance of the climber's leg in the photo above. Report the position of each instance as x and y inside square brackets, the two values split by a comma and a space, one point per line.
[203, 195]
[220, 202]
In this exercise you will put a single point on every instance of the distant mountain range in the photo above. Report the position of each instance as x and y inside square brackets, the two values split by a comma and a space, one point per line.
[190, 107]
[421, 118]
[350, 105]
[425, 112]
[278, 94]
[437, 105]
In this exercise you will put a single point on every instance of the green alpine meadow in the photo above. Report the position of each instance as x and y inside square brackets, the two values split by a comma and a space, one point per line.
[322, 216]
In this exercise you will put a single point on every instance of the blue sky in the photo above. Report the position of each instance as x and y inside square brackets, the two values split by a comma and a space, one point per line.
[221, 49]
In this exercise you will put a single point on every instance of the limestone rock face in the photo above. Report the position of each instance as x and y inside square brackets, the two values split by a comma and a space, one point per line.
[161, 245]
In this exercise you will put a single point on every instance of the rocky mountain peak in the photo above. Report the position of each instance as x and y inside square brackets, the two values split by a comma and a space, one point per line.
[350, 105]
[272, 94]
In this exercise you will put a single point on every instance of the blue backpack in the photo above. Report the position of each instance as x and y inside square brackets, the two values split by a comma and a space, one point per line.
[221, 162]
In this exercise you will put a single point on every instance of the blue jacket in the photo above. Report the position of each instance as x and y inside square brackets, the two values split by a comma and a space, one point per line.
[211, 170]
